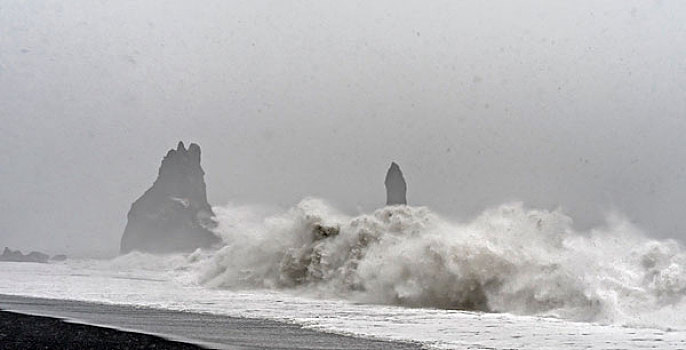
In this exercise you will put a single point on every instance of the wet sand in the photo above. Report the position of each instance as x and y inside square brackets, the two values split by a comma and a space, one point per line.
[128, 327]
[20, 332]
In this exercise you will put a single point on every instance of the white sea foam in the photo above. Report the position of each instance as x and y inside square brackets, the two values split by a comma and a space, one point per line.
[153, 281]
[509, 259]
[314, 266]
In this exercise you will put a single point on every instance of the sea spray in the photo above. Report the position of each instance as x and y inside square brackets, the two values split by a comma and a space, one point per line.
[508, 259]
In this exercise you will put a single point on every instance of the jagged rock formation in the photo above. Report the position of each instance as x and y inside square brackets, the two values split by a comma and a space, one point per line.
[173, 215]
[396, 188]
[17, 256]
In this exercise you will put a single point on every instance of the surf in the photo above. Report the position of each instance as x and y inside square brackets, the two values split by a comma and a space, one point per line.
[509, 259]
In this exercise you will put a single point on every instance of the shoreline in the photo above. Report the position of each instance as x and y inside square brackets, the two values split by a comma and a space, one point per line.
[199, 330]
[24, 331]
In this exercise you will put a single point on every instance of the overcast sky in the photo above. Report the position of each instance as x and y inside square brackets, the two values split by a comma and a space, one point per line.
[576, 104]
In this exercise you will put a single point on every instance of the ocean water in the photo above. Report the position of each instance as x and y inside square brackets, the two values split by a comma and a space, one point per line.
[513, 277]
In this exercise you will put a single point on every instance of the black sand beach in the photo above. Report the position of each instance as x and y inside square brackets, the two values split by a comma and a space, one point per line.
[20, 331]
[101, 326]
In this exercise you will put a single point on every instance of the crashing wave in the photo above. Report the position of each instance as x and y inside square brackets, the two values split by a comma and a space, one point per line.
[509, 259]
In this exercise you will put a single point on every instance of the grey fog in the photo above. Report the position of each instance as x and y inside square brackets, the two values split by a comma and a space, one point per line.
[577, 105]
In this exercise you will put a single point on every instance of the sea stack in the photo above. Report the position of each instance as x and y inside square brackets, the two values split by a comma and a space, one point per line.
[173, 215]
[396, 188]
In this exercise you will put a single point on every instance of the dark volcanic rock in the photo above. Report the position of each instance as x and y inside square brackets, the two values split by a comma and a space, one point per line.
[17, 256]
[11, 255]
[173, 215]
[37, 257]
[396, 188]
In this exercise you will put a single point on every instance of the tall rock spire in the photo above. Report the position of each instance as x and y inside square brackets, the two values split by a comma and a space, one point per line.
[173, 215]
[396, 188]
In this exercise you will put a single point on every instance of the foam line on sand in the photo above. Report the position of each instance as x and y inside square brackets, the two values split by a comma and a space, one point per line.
[206, 330]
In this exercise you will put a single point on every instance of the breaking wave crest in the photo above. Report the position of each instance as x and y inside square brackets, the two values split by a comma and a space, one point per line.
[508, 259]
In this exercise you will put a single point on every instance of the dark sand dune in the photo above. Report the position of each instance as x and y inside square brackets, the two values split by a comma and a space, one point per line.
[206, 330]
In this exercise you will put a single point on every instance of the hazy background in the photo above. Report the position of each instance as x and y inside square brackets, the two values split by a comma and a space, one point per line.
[577, 104]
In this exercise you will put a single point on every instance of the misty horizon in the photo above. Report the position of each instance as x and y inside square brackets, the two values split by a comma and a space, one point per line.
[573, 106]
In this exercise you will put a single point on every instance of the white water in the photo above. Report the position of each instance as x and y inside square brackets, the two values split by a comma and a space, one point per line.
[509, 259]
[529, 267]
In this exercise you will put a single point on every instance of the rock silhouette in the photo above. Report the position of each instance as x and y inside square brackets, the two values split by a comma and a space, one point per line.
[173, 215]
[396, 188]
[17, 256]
